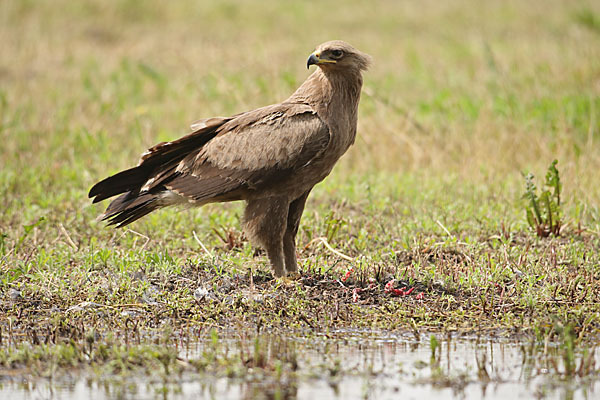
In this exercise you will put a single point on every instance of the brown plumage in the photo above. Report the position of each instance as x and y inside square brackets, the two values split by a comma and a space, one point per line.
[270, 157]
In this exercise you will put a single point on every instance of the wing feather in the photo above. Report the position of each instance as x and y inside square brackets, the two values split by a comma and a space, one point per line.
[251, 152]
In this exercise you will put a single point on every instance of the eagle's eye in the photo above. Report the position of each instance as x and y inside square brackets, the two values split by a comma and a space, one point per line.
[337, 53]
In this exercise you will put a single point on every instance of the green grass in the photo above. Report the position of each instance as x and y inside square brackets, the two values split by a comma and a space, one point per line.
[463, 98]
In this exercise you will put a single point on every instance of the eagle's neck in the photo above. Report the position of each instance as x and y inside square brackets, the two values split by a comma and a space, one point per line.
[323, 88]
[334, 95]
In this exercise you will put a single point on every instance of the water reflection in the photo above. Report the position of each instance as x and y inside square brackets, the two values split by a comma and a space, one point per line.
[348, 365]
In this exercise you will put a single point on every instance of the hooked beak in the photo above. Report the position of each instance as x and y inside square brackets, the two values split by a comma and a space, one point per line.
[315, 58]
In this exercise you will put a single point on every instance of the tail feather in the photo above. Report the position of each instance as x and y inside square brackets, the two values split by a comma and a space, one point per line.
[126, 209]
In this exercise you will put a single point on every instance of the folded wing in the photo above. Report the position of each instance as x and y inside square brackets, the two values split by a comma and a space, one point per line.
[251, 153]
[226, 159]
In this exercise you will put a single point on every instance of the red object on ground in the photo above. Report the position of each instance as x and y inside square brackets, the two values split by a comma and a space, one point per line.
[389, 286]
[420, 296]
[403, 291]
[347, 274]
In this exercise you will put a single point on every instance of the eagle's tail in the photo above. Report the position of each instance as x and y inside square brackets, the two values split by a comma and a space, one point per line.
[142, 187]
[127, 208]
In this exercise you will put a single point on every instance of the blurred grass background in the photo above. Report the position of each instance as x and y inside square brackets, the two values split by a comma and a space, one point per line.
[462, 98]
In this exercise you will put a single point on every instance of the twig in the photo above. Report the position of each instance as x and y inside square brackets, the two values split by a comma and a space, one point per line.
[69, 240]
[5, 257]
[201, 244]
[84, 305]
[326, 244]
[443, 227]
[139, 234]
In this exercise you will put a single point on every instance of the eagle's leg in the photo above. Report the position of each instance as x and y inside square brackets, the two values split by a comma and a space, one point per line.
[265, 224]
[289, 238]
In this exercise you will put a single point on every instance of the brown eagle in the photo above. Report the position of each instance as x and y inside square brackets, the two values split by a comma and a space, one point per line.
[270, 157]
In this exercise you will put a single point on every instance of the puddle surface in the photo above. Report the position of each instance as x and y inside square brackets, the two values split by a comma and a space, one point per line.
[348, 365]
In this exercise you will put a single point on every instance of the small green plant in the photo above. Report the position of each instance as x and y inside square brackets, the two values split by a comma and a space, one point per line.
[434, 345]
[333, 224]
[544, 212]
[27, 229]
[3, 237]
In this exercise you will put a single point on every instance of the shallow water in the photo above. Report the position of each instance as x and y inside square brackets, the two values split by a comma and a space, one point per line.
[353, 365]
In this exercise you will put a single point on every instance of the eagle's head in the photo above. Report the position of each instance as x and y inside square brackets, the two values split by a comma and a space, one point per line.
[337, 54]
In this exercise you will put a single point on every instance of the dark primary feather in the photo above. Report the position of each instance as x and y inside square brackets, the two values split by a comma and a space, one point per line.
[122, 182]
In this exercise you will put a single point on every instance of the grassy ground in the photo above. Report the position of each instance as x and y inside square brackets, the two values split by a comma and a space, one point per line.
[462, 99]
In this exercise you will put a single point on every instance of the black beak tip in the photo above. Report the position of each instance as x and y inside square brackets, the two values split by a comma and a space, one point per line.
[311, 60]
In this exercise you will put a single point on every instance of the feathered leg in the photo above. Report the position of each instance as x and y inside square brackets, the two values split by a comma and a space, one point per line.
[265, 222]
[289, 238]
